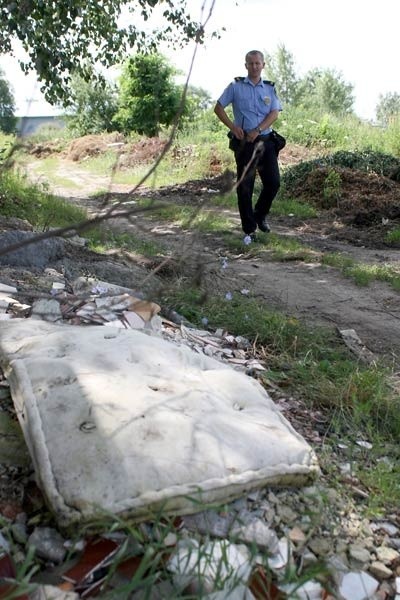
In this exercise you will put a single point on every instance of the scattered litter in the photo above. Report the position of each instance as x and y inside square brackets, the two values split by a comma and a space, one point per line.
[363, 444]
[247, 240]
[228, 296]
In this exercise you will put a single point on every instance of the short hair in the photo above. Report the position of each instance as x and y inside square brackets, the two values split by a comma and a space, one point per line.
[252, 52]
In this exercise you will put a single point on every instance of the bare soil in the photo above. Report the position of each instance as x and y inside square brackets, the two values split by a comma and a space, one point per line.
[355, 226]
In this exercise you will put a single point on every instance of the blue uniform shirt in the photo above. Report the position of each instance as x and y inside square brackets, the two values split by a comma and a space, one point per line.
[250, 103]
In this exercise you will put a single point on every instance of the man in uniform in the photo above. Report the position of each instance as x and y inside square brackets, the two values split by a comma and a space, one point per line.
[255, 108]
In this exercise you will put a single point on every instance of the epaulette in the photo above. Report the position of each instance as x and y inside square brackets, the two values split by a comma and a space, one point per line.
[264, 80]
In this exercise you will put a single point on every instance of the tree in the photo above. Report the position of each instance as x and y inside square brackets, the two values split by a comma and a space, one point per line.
[93, 106]
[280, 69]
[199, 98]
[7, 106]
[325, 91]
[149, 98]
[64, 37]
[388, 107]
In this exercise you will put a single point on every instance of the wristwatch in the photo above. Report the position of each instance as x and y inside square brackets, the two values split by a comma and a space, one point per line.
[259, 131]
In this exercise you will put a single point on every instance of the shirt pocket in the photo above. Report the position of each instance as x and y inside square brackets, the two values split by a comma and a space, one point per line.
[265, 101]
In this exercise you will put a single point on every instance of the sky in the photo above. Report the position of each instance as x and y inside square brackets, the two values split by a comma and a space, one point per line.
[357, 38]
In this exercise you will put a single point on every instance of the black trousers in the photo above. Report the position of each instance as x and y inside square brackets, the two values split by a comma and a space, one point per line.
[252, 158]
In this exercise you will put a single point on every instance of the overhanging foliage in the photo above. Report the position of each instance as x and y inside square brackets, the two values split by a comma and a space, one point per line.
[61, 38]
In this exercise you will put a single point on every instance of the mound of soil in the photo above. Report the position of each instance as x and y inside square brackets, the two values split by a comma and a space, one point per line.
[92, 145]
[351, 192]
[144, 151]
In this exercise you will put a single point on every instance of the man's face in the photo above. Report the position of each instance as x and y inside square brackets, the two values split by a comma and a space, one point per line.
[254, 65]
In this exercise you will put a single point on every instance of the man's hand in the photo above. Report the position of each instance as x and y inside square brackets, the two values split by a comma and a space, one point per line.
[252, 135]
[238, 132]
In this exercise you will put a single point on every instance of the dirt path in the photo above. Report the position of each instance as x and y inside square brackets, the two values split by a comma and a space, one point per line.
[312, 292]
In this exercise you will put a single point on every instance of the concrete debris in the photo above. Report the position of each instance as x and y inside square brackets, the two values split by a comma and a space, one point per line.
[354, 343]
[87, 301]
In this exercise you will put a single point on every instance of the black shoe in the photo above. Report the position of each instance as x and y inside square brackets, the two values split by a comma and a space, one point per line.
[263, 225]
[253, 236]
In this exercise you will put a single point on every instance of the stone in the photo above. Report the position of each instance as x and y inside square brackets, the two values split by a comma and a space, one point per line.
[286, 514]
[210, 522]
[380, 570]
[308, 558]
[310, 590]
[297, 536]
[385, 526]
[258, 533]
[321, 546]
[51, 592]
[47, 310]
[359, 554]
[37, 254]
[19, 533]
[48, 544]
[386, 555]
[281, 558]
[357, 586]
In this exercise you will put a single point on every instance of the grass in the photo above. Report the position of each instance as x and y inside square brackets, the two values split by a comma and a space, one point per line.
[312, 363]
[101, 240]
[382, 477]
[293, 208]
[363, 274]
[187, 216]
[278, 247]
[19, 198]
[393, 237]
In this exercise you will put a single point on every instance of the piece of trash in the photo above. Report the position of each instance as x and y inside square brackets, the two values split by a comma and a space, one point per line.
[245, 292]
[228, 296]
[363, 444]
[224, 263]
[247, 240]
[204, 320]
[9, 289]
[134, 320]
[99, 289]
[57, 286]
[97, 555]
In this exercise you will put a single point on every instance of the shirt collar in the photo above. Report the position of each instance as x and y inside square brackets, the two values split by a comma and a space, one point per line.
[247, 80]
